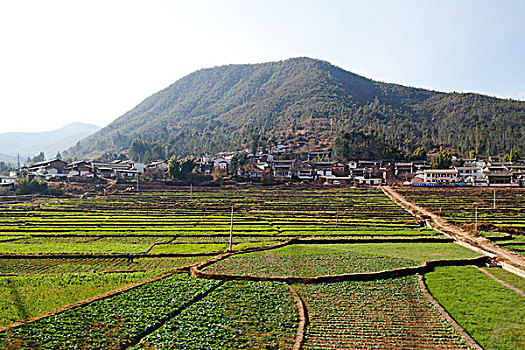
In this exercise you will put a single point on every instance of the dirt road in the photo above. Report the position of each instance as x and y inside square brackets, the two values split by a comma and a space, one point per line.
[440, 224]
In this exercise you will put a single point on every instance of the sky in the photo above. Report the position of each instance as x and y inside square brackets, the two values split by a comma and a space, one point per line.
[92, 61]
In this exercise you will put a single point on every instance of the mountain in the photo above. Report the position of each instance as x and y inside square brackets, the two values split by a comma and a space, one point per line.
[299, 100]
[28, 144]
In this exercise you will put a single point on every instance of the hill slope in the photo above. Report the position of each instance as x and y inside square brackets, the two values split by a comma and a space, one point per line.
[225, 108]
[28, 144]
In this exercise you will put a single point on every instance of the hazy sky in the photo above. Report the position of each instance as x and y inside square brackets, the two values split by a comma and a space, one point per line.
[91, 61]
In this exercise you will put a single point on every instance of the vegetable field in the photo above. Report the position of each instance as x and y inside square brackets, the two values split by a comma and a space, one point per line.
[119, 272]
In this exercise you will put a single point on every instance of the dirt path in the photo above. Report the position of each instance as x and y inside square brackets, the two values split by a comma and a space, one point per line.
[503, 283]
[440, 224]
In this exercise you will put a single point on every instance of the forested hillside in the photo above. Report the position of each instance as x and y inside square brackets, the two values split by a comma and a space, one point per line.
[229, 107]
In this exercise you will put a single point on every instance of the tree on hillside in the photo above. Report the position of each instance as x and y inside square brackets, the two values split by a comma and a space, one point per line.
[419, 154]
[443, 160]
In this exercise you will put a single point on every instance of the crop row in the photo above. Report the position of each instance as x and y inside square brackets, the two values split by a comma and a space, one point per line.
[93, 265]
[386, 314]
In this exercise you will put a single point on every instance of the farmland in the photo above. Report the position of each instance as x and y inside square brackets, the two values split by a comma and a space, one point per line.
[501, 212]
[315, 259]
[126, 259]
[386, 314]
[478, 303]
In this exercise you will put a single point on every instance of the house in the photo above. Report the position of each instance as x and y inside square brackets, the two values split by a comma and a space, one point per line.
[386, 174]
[81, 168]
[125, 174]
[369, 181]
[404, 170]
[502, 178]
[7, 187]
[323, 168]
[340, 169]
[7, 179]
[205, 165]
[279, 149]
[220, 164]
[319, 155]
[54, 166]
[440, 176]
[158, 165]
[469, 173]
[306, 171]
[284, 169]
[109, 170]
[335, 180]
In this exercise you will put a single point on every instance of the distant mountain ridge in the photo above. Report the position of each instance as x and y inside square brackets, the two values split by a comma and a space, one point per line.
[234, 106]
[28, 144]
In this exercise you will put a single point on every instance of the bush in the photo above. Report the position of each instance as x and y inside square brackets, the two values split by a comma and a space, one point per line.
[32, 186]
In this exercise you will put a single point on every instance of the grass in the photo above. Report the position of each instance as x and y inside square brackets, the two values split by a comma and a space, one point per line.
[23, 297]
[491, 313]
[203, 247]
[510, 278]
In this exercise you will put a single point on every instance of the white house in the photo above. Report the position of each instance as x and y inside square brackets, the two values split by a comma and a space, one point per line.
[469, 173]
[440, 176]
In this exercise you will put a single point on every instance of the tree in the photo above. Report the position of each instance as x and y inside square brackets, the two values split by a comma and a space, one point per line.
[58, 156]
[237, 162]
[174, 167]
[443, 160]
[39, 158]
[179, 168]
[419, 154]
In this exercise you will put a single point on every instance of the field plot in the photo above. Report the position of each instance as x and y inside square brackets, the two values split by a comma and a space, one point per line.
[93, 265]
[385, 314]
[493, 314]
[237, 315]
[310, 260]
[80, 245]
[22, 297]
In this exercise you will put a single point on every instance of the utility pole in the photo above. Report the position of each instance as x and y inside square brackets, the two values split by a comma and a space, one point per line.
[231, 232]
[18, 160]
[494, 199]
[476, 227]
[191, 191]
[337, 218]
[137, 181]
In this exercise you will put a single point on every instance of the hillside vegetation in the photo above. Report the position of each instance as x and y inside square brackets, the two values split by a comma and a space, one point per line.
[234, 106]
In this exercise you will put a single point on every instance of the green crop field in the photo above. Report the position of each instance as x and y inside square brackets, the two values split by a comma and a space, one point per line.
[57, 252]
[19, 293]
[493, 314]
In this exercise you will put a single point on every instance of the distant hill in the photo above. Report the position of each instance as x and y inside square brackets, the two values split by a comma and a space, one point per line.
[28, 144]
[300, 99]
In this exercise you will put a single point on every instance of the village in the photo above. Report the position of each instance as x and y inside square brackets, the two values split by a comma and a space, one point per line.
[281, 165]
